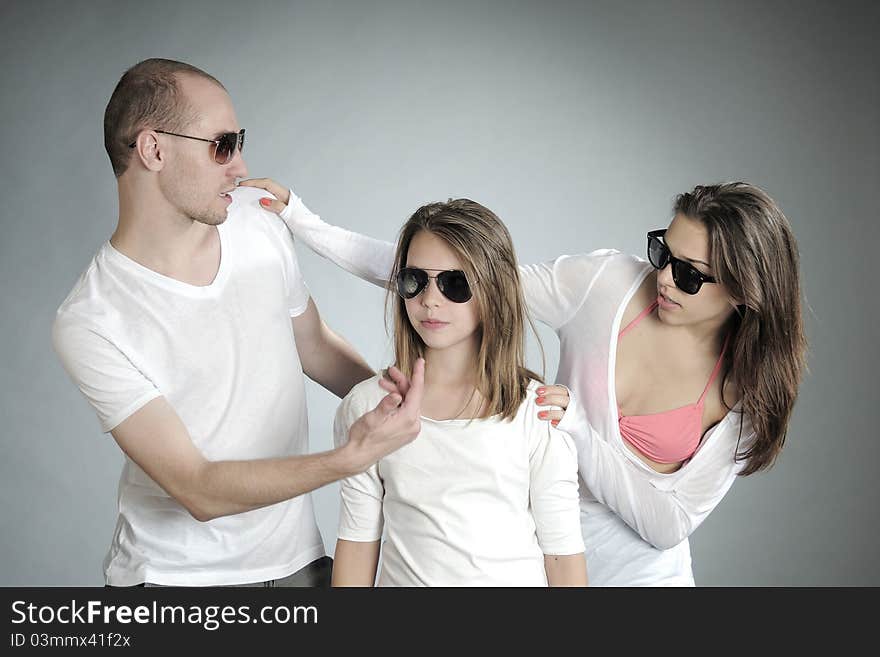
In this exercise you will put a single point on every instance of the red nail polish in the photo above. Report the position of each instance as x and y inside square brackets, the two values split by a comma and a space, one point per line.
[540, 391]
[542, 414]
[555, 422]
[540, 400]
[265, 201]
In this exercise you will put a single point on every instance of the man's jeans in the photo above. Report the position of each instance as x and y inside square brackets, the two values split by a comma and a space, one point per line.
[316, 574]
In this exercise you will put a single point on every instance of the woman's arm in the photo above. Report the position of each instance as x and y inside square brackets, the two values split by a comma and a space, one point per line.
[663, 509]
[553, 291]
[365, 257]
[355, 563]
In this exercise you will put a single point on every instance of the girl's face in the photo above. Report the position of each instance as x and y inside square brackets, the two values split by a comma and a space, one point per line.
[687, 239]
[441, 323]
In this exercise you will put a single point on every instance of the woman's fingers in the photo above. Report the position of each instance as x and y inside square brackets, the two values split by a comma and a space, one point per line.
[552, 396]
[273, 205]
[279, 191]
[553, 417]
[556, 396]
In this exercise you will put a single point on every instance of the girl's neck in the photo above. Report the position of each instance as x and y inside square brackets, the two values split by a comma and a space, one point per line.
[452, 366]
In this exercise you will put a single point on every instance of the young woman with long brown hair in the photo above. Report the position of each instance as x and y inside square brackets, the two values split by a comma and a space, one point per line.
[678, 373]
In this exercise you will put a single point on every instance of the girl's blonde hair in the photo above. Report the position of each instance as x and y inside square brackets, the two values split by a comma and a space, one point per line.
[484, 247]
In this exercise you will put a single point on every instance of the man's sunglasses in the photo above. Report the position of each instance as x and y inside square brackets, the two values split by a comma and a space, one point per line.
[452, 283]
[687, 278]
[224, 145]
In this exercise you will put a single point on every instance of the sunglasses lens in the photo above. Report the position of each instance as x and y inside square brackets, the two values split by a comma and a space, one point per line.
[454, 286]
[658, 254]
[226, 146]
[410, 282]
[686, 277]
[223, 152]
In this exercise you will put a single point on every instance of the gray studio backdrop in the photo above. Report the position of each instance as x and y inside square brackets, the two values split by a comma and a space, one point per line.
[576, 122]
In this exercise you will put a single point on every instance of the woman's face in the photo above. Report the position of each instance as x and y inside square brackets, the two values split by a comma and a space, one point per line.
[688, 239]
[441, 323]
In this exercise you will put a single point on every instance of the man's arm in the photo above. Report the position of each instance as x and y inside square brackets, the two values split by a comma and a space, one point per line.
[326, 358]
[355, 563]
[156, 439]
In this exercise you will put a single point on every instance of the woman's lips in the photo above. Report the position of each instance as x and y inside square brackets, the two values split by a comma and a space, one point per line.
[433, 324]
[666, 303]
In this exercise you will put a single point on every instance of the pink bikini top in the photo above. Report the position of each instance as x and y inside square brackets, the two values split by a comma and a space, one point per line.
[670, 436]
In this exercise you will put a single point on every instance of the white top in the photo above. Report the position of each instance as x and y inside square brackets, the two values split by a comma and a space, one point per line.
[635, 520]
[468, 502]
[224, 357]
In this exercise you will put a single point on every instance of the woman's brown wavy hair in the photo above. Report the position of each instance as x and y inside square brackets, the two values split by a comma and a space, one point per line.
[755, 255]
[484, 247]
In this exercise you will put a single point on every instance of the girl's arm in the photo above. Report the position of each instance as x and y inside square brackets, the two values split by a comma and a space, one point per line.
[553, 500]
[360, 509]
[355, 563]
[566, 569]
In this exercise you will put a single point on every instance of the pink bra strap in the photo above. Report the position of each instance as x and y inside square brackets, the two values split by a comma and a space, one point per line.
[641, 316]
[716, 370]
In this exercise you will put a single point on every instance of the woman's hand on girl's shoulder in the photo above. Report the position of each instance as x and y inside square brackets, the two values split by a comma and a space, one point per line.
[552, 396]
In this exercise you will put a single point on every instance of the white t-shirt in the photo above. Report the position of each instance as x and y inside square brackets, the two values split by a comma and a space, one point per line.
[635, 520]
[224, 357]
[468, 502]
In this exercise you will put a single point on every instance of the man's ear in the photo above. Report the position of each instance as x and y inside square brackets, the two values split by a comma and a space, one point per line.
[149, 151]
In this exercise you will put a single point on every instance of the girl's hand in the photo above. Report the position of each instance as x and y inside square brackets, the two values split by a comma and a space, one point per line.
[552, 396]
[280, 192]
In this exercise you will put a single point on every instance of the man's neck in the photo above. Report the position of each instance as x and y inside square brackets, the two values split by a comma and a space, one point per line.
[159, 237]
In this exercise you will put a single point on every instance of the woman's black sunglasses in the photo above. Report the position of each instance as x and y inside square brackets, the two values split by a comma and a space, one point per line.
[224, 145]
[452, 283]
[687, 278]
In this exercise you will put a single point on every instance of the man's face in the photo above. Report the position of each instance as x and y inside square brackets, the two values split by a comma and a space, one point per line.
[192, 181]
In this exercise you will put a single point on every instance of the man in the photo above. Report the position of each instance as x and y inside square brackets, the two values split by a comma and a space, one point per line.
[189, 334]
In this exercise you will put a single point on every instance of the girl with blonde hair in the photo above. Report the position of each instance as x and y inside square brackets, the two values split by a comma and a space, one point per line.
[486, 495]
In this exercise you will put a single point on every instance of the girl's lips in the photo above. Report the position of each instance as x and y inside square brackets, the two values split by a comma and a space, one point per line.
[433, 323]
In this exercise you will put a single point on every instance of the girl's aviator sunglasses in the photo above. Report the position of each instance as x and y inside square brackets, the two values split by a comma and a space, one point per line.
[687, 278]
[224, 145]
[452, 283]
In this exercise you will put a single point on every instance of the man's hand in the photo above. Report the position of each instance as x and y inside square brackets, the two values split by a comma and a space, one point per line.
[394, 422]
[280, 192]
[394, 381]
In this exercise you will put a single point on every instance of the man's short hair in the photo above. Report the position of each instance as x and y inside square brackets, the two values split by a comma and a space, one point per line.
[148, 96]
